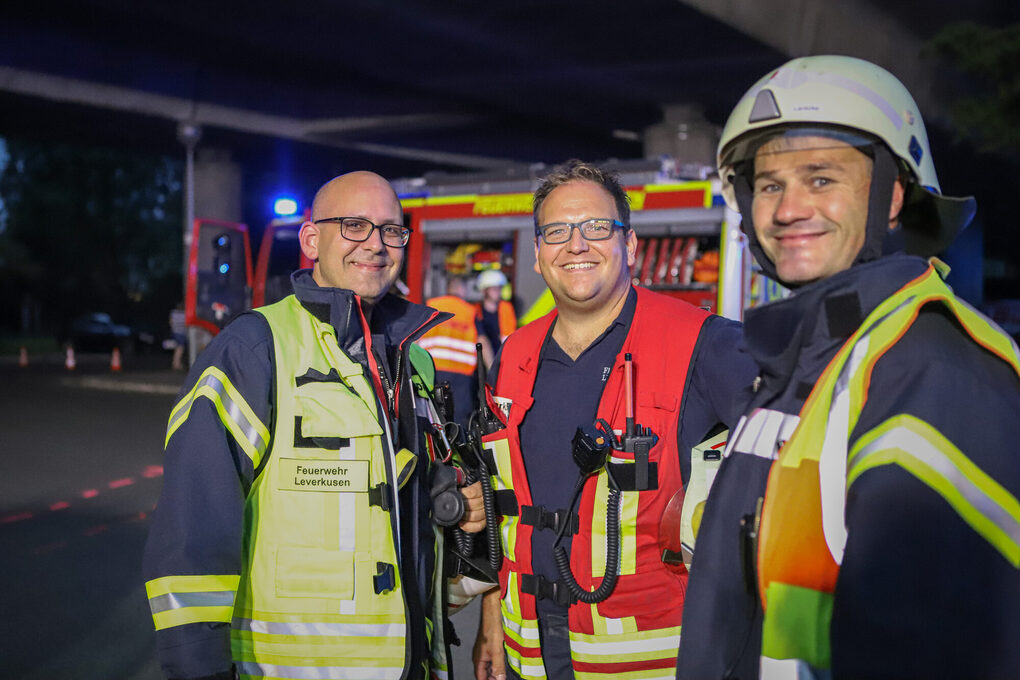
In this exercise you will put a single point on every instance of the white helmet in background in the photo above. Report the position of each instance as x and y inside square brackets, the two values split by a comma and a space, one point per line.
[491, 278]
[858, 103]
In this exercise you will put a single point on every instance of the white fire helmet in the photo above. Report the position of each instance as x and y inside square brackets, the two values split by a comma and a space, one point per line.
[856, 102]
[491, 278]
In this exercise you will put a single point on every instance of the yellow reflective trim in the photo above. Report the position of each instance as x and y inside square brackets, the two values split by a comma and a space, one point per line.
[630, 646]
[179, 617]
[917, 447]
[237, 417]
[502, 479]
[523, 636]
[500, 204]
[987, 334]
[406, 203]
[166, 615]
[191, 584]
[405, 464]
[268, 646]
[649, 674]
[598, 524]
[542, 306]
[637, 199]
[628, 532]
[450, 200]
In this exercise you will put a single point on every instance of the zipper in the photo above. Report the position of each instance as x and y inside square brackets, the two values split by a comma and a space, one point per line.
[387, 387]
[397, 376]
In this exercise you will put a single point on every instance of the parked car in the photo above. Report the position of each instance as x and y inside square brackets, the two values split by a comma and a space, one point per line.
[96, 332]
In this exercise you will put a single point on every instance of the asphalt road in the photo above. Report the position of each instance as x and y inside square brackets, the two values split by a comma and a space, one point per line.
[80, 472]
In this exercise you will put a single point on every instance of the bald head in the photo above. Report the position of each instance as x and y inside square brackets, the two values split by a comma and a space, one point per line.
[367, 267]
[349, 186]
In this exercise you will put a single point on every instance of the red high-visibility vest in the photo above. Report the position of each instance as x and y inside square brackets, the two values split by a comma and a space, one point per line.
[637, 629]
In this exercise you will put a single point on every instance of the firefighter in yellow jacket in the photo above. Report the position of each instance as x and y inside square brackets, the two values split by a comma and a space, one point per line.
[293, 537]
[865, 521]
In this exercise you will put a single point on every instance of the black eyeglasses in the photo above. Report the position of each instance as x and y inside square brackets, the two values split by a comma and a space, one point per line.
[597, 229]
[359, 229]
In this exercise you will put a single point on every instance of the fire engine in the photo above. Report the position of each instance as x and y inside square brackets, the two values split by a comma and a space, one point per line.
[689, 244]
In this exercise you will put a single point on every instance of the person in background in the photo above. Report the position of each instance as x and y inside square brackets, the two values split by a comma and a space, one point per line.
[293, 537]
[179, 333]
[865, 521]
[452, 346]
[498, 317]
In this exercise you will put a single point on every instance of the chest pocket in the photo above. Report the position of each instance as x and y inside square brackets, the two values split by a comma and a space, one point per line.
[639, 470]
[330, 410]
[327, 487]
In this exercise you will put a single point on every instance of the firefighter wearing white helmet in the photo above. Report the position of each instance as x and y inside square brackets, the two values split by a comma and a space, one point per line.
[497, 315]
[864, 521]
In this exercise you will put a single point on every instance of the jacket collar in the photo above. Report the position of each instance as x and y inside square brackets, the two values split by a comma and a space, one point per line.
[807, 328]
[396, 320]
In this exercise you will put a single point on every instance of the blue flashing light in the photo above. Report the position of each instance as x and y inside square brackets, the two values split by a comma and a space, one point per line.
[224, 268]
[285, 206]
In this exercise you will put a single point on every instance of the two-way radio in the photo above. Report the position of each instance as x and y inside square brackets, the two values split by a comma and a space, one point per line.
[590, 448]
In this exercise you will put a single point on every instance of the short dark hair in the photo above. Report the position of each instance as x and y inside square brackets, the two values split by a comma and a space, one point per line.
[576, 170]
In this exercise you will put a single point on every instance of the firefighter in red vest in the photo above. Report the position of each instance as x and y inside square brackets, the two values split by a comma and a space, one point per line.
[497, 315]
[601, 402]
[452, 346]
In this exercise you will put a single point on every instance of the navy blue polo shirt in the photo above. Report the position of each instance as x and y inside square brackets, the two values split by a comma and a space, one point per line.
[567, 394]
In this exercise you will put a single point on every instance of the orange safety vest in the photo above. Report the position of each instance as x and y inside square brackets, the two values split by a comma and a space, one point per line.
[802, 532]
[452, 343]
[635, 632]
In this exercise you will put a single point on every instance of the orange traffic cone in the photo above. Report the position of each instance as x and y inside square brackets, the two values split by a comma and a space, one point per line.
[23, 357]
[69, 362]
[115, 359]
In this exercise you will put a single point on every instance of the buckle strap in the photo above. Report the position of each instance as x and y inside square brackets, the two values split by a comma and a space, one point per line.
[489, 460]
[380, 495]
[506, 503]
[541, 587]
[385, 579]
[540, 518]
[627, 475]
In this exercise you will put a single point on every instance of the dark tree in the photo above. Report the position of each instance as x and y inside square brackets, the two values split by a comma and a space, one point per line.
[990, 110]
[88, 229]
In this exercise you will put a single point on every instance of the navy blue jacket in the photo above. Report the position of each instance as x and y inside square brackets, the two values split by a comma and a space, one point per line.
[920, 593]
[198, 522]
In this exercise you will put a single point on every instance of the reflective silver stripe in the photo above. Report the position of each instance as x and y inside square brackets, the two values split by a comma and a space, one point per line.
[162, 603]
[233, 411]
[918, 447]
[394, 630]
[430, 342]
[320, 672]
[468, 358]
[604, 646]
[790, 669]
[762, 433]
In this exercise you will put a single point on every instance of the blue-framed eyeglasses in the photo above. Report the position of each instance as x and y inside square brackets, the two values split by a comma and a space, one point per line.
[596, 229]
